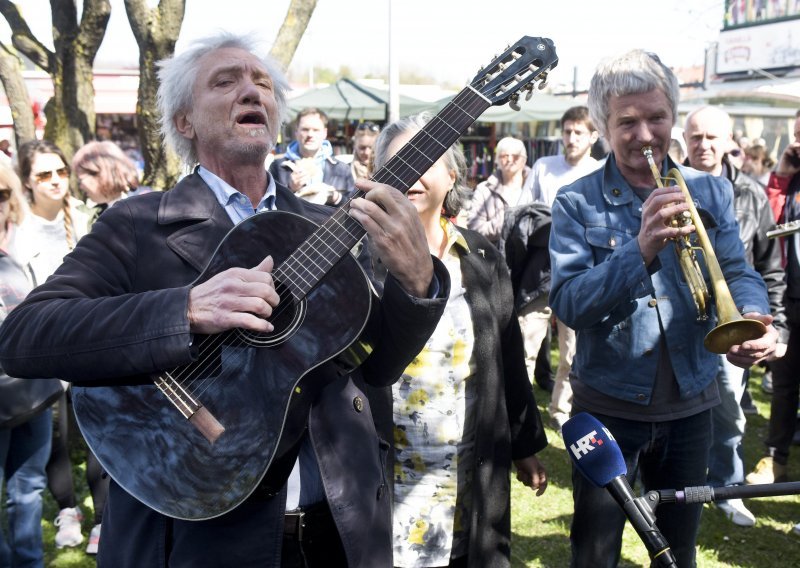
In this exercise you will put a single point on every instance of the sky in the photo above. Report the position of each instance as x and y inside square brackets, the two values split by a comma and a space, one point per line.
[447, 40]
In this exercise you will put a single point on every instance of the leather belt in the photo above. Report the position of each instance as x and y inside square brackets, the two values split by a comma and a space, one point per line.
[306, 523]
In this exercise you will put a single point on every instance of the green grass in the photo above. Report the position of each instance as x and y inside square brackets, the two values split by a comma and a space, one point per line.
[541, 525]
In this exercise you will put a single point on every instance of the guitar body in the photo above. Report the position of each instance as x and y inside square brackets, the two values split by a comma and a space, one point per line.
[259, 388]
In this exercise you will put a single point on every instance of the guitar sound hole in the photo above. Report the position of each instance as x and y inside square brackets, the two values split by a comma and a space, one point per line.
[286, 318]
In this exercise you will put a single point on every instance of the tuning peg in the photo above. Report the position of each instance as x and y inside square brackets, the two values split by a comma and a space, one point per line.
[529, 91]
[514, 102]
[543, 83]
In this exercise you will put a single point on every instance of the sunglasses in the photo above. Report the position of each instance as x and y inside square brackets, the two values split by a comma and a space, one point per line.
[44, 177]
[371, 126]
[5, 195]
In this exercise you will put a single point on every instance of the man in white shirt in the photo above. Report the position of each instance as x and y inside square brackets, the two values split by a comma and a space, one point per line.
[551, 173]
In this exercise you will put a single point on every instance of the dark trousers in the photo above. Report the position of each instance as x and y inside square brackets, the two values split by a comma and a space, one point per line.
[785, 390]
[667, 455]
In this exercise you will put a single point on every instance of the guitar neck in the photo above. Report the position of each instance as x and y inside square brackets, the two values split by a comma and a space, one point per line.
[333, 240]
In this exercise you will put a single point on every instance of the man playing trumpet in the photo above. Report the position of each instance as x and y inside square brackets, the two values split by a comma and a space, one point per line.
[640, 365]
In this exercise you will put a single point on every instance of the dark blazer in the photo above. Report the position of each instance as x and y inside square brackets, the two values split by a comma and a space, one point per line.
[508, 423]
[117, 308]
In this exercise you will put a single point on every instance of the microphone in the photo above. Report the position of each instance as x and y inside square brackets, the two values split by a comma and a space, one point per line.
[596, 454]
[707, 494]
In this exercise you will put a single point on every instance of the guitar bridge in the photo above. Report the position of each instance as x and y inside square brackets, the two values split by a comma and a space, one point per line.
[191, 409]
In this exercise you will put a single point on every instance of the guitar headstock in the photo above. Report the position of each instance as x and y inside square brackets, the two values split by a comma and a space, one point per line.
[522, 66]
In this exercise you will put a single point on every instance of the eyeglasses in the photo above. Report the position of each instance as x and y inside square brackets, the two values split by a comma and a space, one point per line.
[512, 157]
[371, 126]
[44, 177]
[5, 195]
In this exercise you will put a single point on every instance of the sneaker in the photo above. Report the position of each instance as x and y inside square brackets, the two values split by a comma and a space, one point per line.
[767, 471]
[94, 540]
[736, 512]
[68, 522]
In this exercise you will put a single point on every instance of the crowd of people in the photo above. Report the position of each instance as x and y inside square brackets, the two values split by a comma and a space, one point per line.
[411, 436]
[42, 222]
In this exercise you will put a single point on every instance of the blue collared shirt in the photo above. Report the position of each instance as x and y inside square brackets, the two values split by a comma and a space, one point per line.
[236, 203]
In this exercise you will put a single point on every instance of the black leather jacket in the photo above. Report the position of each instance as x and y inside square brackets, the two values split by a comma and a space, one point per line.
[524, 242]
[755, 218]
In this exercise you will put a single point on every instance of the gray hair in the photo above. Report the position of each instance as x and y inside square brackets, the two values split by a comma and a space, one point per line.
[512, 146]
[178, 73]
[635, 72]
[453, 158]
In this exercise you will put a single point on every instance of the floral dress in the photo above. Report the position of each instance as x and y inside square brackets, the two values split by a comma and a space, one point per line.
[434, 436]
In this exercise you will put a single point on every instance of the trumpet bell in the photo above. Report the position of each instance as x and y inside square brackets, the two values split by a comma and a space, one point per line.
[727, 334]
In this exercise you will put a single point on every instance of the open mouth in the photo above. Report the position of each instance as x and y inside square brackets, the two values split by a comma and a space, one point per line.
[252, 117]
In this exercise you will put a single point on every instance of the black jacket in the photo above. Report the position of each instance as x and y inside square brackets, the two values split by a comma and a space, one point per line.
[508, 425]
[525, 243]
[755, 218]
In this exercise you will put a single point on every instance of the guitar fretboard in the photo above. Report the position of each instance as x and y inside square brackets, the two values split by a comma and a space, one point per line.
[340, 233]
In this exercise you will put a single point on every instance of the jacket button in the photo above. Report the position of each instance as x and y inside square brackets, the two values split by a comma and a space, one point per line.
[647, 352]
[652, 303]
[616, 192]
[640, 396]
[612, 242]
[358, 404]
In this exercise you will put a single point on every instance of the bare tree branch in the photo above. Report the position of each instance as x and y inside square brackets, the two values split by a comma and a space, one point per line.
[156, 31]
[294, 26]
[23, 39]
[18, 98]
[94, 22]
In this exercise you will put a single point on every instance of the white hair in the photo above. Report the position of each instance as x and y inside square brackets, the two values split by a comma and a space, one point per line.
[177, 75]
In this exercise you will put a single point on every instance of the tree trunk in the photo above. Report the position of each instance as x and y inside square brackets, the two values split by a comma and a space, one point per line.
[70, 112]
[294, 26]
[18, 98]
[156, 31]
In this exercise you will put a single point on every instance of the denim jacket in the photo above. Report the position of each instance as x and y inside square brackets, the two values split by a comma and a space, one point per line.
[602, 288]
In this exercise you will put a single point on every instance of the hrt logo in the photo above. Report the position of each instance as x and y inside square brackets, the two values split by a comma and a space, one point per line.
[588, 443]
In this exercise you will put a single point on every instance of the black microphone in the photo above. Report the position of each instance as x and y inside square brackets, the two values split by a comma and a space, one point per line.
[708, 494]
[597, 456]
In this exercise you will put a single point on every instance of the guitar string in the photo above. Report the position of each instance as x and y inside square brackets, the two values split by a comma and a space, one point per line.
[409, 163]
[417, 158]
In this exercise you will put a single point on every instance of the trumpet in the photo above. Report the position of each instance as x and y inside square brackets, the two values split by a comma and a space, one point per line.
[732, 328]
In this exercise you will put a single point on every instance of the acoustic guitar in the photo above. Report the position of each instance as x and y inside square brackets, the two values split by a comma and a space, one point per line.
[203, 437]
